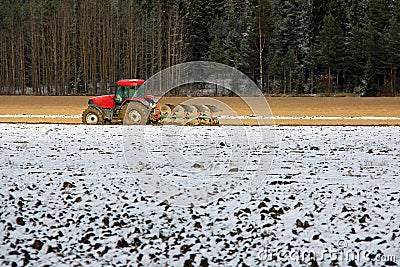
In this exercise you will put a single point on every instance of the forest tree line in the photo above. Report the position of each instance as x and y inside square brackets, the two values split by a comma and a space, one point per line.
[71, 47]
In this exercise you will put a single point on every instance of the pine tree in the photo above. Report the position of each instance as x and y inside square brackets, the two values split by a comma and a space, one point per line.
[376, 44]
[262, 28]
[318, 10]
[330, 46]
[356, 58]
[217, 52]
[291, 37]
[198, 18]
[311, 63]
[354, 54]
[394, 54]
[273, 74]
[290, 72]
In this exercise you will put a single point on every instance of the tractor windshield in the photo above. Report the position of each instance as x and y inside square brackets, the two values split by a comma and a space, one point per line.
[124, 92]
[140, 91]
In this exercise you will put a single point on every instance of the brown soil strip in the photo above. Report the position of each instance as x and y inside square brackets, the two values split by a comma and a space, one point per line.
[280, 106]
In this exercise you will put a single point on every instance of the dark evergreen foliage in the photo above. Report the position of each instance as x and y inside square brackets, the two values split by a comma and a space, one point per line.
[287, 47]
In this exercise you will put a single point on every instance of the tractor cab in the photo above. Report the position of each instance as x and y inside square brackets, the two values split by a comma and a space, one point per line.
[128, 89]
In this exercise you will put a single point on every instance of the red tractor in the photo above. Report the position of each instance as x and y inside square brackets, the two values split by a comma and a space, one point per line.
[129, 99]
[131, 105]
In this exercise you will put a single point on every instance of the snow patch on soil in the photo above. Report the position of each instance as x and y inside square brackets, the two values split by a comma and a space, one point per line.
[67, 197]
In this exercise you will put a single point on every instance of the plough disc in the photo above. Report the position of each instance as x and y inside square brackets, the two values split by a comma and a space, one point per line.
[184, 114]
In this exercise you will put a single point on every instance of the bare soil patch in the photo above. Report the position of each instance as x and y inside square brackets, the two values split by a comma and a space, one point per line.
[281, 107]
[42, 105]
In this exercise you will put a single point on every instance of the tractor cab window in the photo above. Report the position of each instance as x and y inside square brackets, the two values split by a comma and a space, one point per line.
[140, 91]
[124, 92]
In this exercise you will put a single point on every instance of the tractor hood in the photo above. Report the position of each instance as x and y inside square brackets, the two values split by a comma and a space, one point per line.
[104, 101]
[152, 98]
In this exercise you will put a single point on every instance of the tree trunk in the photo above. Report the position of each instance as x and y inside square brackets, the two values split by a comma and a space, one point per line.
[261, 52]
[329, 80]
[284, 80]
[337, 79]
[312, 81]
[268, 82]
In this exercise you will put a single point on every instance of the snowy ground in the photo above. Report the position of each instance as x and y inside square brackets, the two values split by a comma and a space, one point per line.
[67, 197]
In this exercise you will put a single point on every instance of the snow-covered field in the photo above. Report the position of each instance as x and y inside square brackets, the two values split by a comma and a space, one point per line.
[68, 198]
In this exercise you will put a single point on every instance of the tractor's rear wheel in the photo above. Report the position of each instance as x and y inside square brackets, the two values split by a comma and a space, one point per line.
[92, 116]
[135, 113]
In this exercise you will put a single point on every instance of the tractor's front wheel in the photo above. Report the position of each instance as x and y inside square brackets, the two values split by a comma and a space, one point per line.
[92, 116]
[135, 113]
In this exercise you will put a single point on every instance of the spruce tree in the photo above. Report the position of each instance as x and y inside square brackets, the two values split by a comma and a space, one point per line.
[330, 47]
[376, 45]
